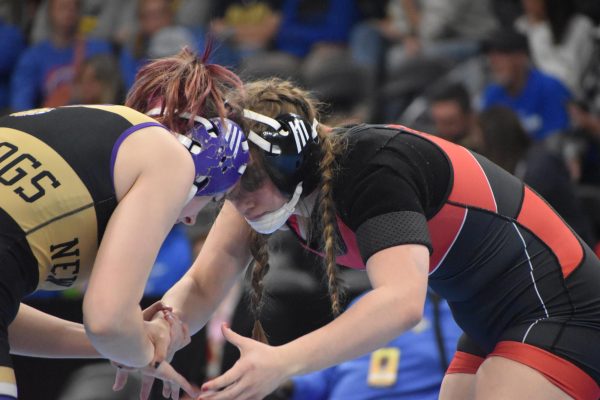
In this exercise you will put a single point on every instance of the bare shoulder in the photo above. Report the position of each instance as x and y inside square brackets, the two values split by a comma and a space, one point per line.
[151, 151]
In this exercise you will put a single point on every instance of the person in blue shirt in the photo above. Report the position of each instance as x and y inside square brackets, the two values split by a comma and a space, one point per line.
[307, 23]
[539, 99]
[410, 367]
[46, 69]
[309, 44]
[11, 45]
[157, 36]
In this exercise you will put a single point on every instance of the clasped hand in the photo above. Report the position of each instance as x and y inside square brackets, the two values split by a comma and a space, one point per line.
[168, 334]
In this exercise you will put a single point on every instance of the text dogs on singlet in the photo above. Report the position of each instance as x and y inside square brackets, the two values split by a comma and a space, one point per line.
[12, 171]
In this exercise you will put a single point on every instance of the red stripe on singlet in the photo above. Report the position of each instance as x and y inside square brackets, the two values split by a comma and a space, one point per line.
[562, 373]
[444, 228]
[464, 363]
[352, 257]
[537, 216]
[471, 186]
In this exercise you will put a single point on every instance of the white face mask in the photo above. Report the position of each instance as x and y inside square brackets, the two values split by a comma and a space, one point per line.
[274, 220]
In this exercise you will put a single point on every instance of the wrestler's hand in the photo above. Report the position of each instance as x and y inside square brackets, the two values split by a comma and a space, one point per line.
[179, 337]
[168, 334]
[165, 372]
[258, 372]
[122, 370]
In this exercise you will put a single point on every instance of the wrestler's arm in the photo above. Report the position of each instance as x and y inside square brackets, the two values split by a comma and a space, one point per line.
[161, 172]
[223, 257]
[399, 278]
[37, 334]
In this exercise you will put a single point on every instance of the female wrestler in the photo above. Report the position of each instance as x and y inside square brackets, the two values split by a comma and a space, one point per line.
[412, 209]
[88, 194]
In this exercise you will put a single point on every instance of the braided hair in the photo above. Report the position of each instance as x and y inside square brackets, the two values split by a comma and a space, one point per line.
[273, 97]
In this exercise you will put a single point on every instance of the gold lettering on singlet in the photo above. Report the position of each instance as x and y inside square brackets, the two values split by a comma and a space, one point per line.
[64, 210]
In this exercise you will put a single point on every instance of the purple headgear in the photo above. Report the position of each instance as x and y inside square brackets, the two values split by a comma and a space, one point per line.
[219, 150]
[220, 153]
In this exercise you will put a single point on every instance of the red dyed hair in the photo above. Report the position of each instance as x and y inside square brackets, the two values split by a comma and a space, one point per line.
[183, 83]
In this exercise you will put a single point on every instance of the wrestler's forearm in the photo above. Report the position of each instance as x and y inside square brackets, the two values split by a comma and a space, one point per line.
[196, 296]
[37, 334]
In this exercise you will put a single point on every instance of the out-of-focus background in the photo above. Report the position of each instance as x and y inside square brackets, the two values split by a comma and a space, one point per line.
[515, 80]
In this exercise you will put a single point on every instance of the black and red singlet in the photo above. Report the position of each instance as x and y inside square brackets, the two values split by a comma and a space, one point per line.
[520, 282]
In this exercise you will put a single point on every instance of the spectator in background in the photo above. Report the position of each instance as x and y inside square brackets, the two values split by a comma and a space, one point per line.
[432, 28]
[311, 32]
[46, 71]
[452, 115]
[415, 44]
[410, 367]
[115, 20]
[100, 19]
[307, 24]
[99, 82]
[539, 99]
[157, 36]
[192, 14]
[508, 145]
[560, 40]
[245, 27]
[586, 127]
[11, 45]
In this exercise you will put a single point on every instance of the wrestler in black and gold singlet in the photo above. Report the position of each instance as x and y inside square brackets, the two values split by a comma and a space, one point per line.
[56, 197]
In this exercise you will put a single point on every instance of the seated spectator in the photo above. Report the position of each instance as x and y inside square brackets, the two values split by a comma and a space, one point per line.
[586, 126]
[452, 115]
[245, 27]
[506, 144]
[157, 36]
[411, 366]
[11, 45]
[101, 19]
[46, 71]
[99, 82]
[191, 14]
[115, 20]
[311, 32]
[431, 28]
[415, 44]
[539, 99]
[560, 40]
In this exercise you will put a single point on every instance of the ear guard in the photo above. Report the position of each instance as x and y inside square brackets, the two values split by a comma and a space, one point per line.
[291, 147]
[219, 150]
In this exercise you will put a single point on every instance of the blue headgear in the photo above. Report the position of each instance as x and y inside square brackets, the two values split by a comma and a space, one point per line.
[219, 150]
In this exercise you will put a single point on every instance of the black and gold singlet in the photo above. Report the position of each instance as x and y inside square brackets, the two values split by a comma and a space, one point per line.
[56, 187]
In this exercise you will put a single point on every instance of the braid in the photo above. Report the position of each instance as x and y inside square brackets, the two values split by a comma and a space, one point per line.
[273, 97]
[259, 250]
[328, 218]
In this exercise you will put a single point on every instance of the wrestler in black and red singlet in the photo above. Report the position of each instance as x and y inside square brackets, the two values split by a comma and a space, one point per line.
[520, 282]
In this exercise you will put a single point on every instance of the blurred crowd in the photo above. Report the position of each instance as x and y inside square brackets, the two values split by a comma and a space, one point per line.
[515, 80]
